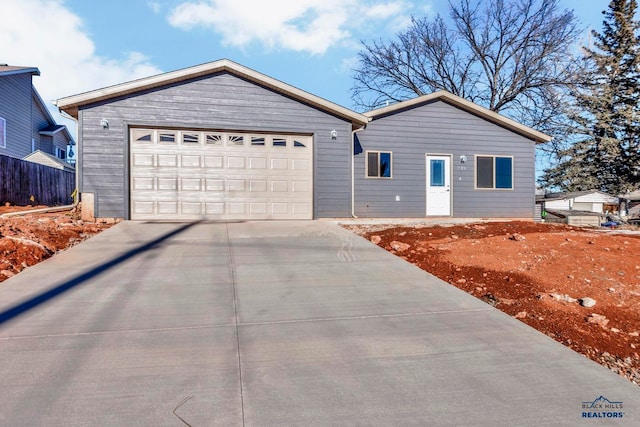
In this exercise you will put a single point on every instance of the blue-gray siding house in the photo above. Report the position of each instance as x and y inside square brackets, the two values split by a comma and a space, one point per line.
[222, 141]
[26, 125]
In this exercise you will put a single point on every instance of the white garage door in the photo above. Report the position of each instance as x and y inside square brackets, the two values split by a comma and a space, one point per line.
[220, 175]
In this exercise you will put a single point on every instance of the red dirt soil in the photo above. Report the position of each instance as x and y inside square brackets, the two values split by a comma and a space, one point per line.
[536, 272]
[31, 238]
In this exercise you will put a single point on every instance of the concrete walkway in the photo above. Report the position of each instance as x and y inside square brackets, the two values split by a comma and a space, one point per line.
[274, 323]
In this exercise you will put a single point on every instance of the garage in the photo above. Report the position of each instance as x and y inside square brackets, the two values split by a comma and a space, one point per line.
[216, 141]
[182, 174]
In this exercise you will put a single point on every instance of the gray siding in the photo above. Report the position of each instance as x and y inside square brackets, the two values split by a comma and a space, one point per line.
[40, 121]
[218, 101]
[15, 108]
[439, 128]
[61, 141]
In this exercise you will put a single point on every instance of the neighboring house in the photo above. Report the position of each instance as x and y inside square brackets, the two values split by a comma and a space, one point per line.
[580, 208]
[587, 201]
[26, 125]
[630, 204]
[222, 141]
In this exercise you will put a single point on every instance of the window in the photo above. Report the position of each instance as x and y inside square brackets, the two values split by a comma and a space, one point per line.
[279, 142]
[167, 137]
[437, 173]
[214, 139]
[378, 164]
[61, 154]
[3, 133]
[236, 140]
[141, 135]
[190, 138]
[494, 172]
[257, 140]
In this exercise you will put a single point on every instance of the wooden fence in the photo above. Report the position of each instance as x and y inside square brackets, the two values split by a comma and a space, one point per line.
[26, 183]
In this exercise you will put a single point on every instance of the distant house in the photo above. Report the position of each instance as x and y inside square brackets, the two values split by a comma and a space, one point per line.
[630, 204]
[577, 208]
[588, 201]
[26, 125]
[222, 141]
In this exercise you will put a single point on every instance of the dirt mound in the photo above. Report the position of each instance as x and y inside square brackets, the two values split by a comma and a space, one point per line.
[26, 240]
[542, 275]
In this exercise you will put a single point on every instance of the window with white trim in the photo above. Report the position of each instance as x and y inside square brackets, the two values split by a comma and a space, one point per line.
[3, 133]
[61, 154]
[378, 164]
[494, 172]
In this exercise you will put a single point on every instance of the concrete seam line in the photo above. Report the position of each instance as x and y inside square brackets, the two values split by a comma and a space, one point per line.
[122, 331]
[373, 316]
[232, 266]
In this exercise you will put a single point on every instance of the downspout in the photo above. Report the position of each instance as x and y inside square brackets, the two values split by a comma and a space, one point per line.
[353, 172]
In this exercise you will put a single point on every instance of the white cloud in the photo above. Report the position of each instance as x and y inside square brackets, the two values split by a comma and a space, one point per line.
[303, 25]
[45, 34]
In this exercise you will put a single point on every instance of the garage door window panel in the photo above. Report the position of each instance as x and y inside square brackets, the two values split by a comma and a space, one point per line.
[235, 141]
[279, 142]
[190, 138]
[257, 141]
[213, 139]
[167, 137]
[140, 136]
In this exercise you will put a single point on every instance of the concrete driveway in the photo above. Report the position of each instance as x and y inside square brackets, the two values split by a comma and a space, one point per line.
[274, 323]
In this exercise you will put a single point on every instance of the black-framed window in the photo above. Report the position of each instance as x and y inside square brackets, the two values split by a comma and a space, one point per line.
[494, 172]
[379, 164]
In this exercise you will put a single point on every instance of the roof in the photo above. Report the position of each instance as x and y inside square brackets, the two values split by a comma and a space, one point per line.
[47, 159]
[634, 195]
[573, 194]
[71, 104]
[7, 70]
[464, 105]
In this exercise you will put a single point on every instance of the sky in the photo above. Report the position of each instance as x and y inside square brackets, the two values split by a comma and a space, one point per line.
[83, 45]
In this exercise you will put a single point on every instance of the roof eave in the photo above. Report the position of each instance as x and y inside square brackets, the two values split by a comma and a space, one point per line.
[34, 71]
[465, 105]
[71, 104]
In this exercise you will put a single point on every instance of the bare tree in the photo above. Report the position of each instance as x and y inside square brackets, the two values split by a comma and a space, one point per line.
[511, 56]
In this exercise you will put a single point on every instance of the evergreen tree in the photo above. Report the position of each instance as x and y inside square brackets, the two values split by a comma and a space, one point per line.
[606, 111]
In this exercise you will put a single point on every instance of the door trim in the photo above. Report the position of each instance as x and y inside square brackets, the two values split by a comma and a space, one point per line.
[426, 186]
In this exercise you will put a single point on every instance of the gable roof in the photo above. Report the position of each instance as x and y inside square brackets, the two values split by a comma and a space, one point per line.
[47, 159]
[464, 105]
[7, 70]
[70, 104]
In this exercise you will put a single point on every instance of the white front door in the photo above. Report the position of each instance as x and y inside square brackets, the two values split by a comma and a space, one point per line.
[438, 185]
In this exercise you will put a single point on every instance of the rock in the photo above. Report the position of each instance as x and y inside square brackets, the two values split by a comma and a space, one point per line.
[634, 334]
[598, 319]
[376, 239]
[565, 298]
[611, 290]
[521, 315]
[399, 246]
[461, 281]
[615, 330]
[587, 302]
[570, 277]
[517, 237]
[7, 273]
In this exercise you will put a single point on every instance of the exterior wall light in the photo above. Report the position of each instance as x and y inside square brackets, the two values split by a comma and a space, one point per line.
[104, 123]
[334, 134]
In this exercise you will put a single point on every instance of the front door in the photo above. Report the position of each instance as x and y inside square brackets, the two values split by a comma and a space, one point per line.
[438, 185]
